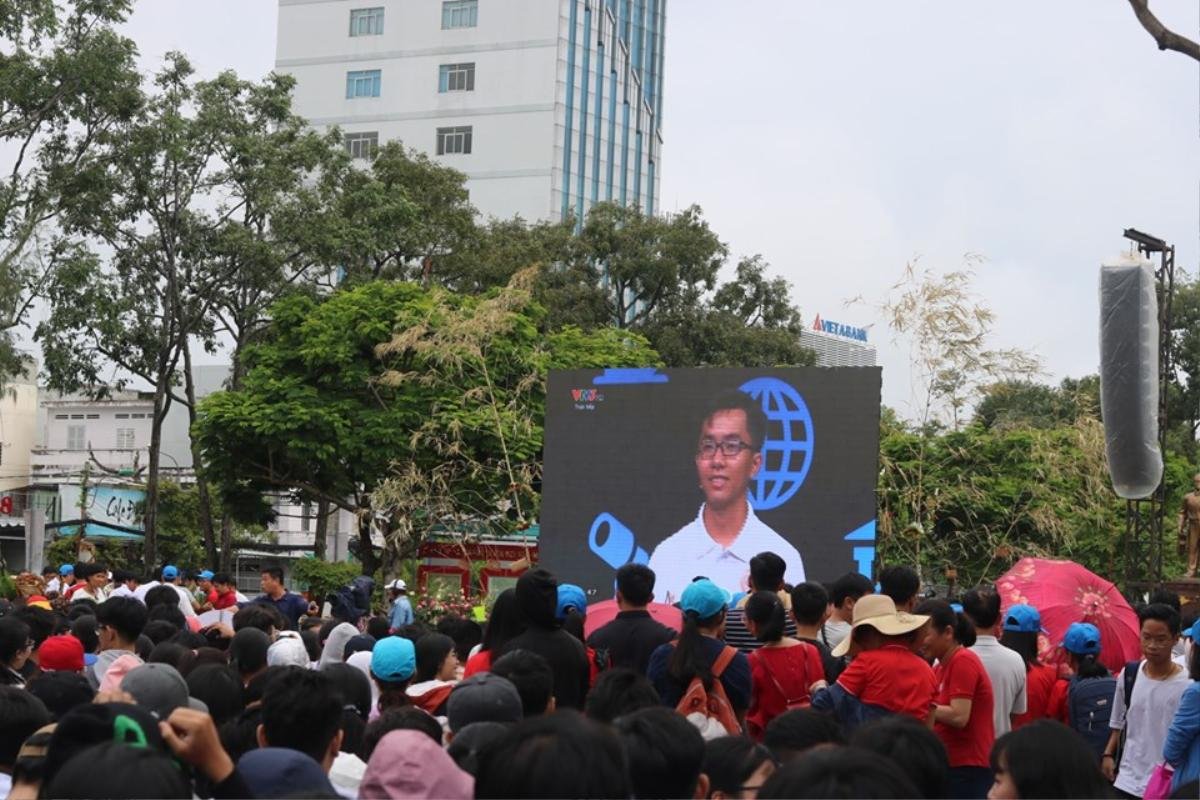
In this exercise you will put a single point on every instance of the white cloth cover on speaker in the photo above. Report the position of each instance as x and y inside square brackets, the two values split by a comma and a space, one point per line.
[1129, 375]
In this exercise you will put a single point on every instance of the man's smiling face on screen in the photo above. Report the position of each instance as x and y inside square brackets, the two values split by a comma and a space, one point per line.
[726, 460]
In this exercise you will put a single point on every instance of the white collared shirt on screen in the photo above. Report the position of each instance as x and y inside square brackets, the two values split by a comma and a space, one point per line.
[691, 552]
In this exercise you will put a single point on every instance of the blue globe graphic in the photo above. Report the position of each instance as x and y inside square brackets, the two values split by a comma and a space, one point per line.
[788, 450]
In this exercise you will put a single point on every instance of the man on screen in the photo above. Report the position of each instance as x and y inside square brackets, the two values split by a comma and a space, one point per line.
[725, 535]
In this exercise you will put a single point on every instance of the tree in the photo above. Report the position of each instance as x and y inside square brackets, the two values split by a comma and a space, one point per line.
[66, 78]
[1025, 404]
[1166, 38]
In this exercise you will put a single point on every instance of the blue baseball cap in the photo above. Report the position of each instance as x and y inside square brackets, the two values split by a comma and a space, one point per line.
[704, 597]
[394, 659]
[205, 575]
[1082, 639]
[1193, 631]
[170, 572]
[1023, 619]
[66, 569]
[570, 596]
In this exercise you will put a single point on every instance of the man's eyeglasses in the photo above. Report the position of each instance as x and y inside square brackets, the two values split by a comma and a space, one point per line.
[730, 448]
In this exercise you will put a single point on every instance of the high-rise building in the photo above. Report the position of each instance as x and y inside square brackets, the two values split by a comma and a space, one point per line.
[548, 106]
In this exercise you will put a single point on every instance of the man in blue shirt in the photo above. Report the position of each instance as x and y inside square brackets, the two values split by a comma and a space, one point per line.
[291, 605]
[402, 613]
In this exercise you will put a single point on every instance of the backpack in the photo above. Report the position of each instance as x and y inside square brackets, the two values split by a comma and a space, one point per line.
[1089, 707]
[709, 709]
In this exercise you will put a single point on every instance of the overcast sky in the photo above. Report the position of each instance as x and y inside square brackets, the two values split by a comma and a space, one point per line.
[843, 139]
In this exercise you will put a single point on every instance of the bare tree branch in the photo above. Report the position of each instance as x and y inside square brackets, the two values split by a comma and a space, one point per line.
[1167, 39]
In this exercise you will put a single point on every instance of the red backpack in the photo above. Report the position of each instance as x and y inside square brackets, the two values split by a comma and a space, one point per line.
[709, 709]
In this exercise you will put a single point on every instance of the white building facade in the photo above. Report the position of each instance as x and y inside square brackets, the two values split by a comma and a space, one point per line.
[548, 106]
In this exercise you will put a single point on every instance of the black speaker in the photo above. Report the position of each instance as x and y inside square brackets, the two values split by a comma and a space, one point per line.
[1129, 375]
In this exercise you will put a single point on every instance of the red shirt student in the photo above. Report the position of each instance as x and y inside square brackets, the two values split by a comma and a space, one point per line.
[784, 671]
[1022, 625]
[965, 702]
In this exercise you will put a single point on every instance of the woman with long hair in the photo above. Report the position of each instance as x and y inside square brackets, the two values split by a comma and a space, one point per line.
[504, 624]
[1044, 759]
[699, 652]
[437, 668]
[1022, 625]
[962, 715]
[785, 672]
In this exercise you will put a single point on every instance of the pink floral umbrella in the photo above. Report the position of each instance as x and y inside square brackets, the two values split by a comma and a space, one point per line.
[1064, 592]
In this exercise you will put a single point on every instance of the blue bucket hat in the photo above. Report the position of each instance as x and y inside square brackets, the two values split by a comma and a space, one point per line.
[66, 569]
[1023, 619]
[394, 659]
[704, 598]
[1082, 639]
[570, 596]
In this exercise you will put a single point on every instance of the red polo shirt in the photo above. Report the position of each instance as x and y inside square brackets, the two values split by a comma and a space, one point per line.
[961, 676]
[893, 677]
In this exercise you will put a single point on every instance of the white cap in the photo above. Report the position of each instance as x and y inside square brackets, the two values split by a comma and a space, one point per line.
[398, 585]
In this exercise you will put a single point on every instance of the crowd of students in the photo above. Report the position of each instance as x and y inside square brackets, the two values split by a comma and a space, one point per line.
[787, 691]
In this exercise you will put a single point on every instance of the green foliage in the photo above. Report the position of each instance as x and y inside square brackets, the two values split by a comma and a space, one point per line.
[1020, 403]
[321, 578]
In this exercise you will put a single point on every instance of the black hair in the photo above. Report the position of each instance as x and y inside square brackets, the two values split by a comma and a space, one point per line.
[220, 688]
[809, 602]
[413, 632]
[766, 611]
[466, 633]
[554, 755]
[354, 686]
[573, 623]
[21, 713]
[912, 747]
[432, 650]
[664, 750]
[838, 772]
[982, 607]
[49, 570]
[189, 639]
[14, 634]
[61, 691]
[223, 578]
[1161, 612]
[398, 719]
[799, 730]
[125, 615]
[159, 630]
[162, 595]
[114, 769]
[174, 654]
[326, 629]
[852, 585]
[533, 677]
[256, 688]
[312, 644]
[81, 606]
[734, 400]
[166, 613]
[84, 629]
[900, 583]
[1025, 644]
[635, 582]
[504, 623]
[1048, 759]
[688, 659]
[248, 651]
[766, 571]
[42, 623]
[143, 646]
[1087, 666]
[619, 691]
[942, 615]
[392, 694]
[276, 573]
[472, 740]
[379, 627]
[256, 615]
[122, 575]
[302, 709]
[31, 769]
[1166, 597]
[729, 761]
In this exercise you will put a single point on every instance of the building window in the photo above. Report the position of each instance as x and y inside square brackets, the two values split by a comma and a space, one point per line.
[460, 14]
[362, 145]
[137, 416]
[363, 83]
[76, 437]
[456, 78]
[60, 416]
[452, 141]
[122, 416]
[125, 439]
[366, 21]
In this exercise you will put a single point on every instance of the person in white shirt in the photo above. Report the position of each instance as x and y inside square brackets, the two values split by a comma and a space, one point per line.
[66, 576]
[95, 579]
[843, 594]
[170, 577]
[719, 543]
[1159, 685]
[1005, 667]
[125, 584]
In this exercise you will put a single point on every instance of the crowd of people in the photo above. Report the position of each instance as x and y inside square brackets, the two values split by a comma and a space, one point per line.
[114, 687]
